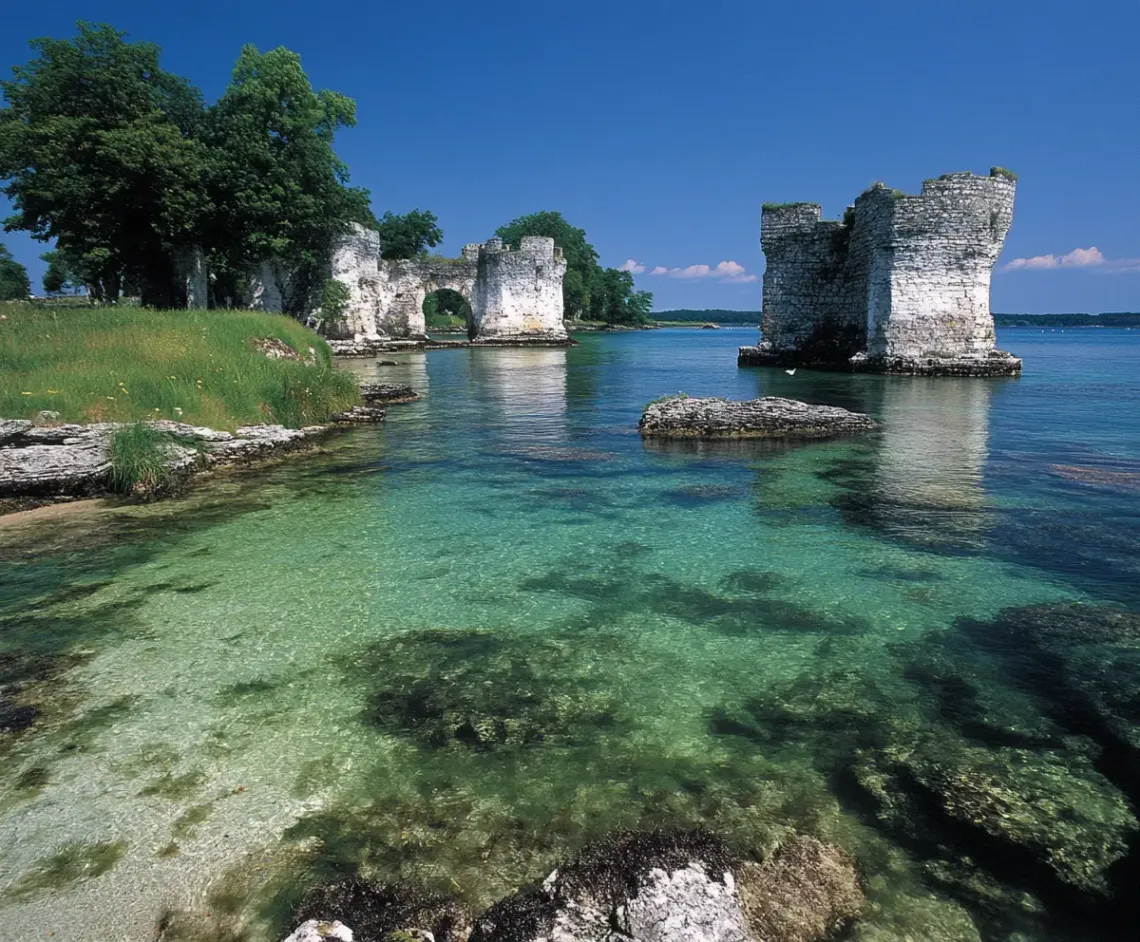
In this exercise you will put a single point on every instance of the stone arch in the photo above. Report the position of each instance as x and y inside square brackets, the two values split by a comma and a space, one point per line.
[448, 295]
[404, 284]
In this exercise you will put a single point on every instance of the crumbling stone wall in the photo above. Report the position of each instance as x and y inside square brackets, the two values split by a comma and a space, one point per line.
[901, 285]
[515, 295]
[518, 294]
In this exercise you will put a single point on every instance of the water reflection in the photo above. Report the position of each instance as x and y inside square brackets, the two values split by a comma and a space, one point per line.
[926, 480]
[524, 389]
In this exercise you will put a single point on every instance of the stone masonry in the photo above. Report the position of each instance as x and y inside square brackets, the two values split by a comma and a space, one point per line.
[900, 285]
[515, 294]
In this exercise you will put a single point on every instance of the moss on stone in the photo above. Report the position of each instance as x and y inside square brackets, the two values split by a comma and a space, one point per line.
[1003, 172]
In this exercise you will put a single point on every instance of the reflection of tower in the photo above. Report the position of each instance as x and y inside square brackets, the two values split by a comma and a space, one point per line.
[526, 387]
[927, 483]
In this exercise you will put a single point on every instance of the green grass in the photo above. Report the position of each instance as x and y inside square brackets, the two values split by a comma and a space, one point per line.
[1003, 172]
[776, 206]
[124, 364]
[138, 457]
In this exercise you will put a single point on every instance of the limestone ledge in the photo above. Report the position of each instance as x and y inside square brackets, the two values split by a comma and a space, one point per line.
[75, 460]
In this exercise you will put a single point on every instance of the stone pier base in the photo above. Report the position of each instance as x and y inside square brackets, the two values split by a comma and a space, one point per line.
[997, 363]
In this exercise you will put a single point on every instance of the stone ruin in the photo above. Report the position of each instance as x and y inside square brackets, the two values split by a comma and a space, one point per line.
[515, 294]
[900, 285]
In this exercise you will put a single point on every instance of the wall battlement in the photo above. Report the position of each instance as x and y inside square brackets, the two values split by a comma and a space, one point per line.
[900, 284]
[515, 294]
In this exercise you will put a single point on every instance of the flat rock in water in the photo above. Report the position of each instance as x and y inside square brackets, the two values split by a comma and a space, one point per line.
[770, 417]
[387, 392]
[359, 415]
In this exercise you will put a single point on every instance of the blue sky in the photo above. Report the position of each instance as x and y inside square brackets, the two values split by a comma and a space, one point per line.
[660, 127]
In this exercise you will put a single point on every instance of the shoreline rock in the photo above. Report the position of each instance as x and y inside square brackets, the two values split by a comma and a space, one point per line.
[372, 393]
[68, 461]
[770, 417]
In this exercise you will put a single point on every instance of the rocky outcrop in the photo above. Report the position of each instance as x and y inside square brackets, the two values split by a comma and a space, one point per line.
[359, 415]
[636, 886]
[770, 417]
[316, 930]
[654, 887]
[75, 460]
[387, 392]
[386, 912]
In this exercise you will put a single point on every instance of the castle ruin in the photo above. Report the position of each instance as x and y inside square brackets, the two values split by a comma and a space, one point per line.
[900, 285]
[515, 294]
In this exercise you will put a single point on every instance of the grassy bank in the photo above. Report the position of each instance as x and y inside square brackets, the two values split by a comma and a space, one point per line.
[201, 367]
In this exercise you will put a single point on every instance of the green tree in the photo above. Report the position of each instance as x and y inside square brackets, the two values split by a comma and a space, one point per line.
[588, 290]
[14, 283]
[98, 151]
[614, 299]
[409, 235]
[64, 272]
[581, 258]
[443, 305]
[278, 189]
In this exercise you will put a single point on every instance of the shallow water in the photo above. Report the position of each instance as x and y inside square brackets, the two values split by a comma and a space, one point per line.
[456, 647]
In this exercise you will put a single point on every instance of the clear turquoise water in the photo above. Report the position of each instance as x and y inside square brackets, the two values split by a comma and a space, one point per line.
[456, 647]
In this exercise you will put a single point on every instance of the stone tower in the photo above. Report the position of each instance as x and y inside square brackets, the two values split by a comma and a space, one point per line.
[900, 285]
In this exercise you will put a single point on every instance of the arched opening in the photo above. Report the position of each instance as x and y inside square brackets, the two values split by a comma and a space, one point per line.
[448, 311]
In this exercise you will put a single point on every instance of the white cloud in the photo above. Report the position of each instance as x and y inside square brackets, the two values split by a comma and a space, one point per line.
[1092, 257]
[727, 272]
[631, 265]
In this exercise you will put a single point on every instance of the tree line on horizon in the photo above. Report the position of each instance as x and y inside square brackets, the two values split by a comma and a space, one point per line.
[127, 170]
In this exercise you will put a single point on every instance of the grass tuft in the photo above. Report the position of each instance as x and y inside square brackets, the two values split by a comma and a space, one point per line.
[126, 364]
[139, 458]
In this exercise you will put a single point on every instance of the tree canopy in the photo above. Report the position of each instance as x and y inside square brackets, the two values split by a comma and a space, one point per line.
[123, 165]
[588, 290]
[14, 283]
[409, 235]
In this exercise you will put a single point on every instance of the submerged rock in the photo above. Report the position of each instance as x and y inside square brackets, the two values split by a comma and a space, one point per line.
[314, 930]
[806, 890]
[1032, 816]
[770, 417]
[473, 690]
[387, 392]
[657, 887]
[385, 912]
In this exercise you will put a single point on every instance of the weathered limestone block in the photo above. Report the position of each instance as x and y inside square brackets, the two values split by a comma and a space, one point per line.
[770, 417]
[901, 285]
